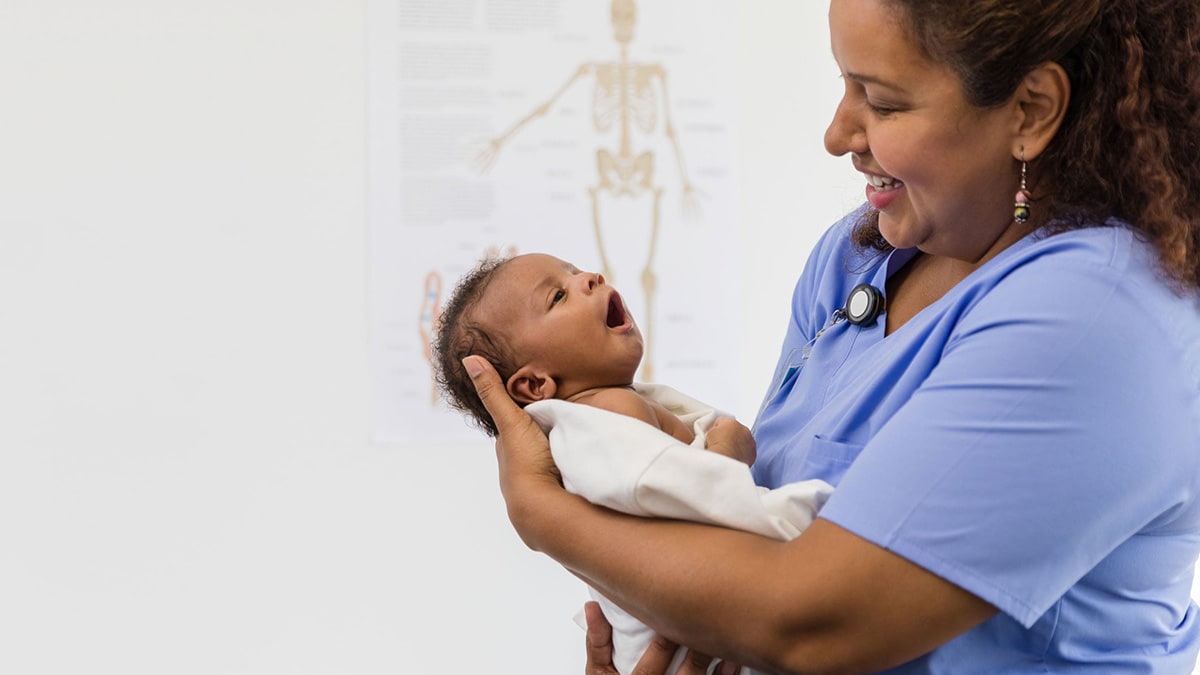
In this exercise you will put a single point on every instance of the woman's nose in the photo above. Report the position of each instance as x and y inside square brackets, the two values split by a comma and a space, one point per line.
[845, 133]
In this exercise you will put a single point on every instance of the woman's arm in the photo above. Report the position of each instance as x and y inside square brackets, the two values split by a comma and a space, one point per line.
[828, 601]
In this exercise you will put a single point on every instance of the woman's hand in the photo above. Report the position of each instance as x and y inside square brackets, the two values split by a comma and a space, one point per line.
[655, 661]
[731, 438]
[522, 450]
[598, 641]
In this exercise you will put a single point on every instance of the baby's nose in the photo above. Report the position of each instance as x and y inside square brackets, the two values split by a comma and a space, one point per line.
[590, 280]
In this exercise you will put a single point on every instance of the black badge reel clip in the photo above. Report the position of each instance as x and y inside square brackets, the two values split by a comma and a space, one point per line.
[863, 306]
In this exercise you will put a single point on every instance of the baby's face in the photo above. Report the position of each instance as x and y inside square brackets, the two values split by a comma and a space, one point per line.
[570, 323]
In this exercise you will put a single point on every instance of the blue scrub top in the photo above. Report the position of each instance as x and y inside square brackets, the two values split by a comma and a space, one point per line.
[1033, 437]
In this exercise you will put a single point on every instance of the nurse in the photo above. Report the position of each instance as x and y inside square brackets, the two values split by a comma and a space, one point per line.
[1015, 440]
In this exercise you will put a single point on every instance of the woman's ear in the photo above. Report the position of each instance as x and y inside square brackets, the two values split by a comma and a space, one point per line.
[1041, 103]
[529, 385]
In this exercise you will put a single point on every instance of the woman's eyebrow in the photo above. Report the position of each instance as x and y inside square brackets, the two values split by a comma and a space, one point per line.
[871, 79]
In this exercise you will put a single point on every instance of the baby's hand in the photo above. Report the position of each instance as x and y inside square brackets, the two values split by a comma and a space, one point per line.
[731, 438]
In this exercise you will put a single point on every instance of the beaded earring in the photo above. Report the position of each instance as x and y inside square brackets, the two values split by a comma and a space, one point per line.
[1022, 204]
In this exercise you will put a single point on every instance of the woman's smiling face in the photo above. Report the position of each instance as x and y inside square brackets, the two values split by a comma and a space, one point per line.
[940, 171]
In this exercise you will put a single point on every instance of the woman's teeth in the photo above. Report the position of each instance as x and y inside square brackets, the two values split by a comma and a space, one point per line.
[882, 184]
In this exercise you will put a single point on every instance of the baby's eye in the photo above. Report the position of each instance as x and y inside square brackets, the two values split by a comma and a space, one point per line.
[558, 295]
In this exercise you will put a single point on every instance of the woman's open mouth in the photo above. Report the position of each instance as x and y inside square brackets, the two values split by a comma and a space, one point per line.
[882, 191]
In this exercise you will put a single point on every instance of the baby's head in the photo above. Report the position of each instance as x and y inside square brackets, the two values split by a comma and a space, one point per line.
[550, 330]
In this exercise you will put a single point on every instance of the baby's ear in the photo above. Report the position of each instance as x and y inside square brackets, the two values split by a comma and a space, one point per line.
[529, 385]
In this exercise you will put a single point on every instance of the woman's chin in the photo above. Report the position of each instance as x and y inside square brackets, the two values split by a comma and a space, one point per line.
[897, 232]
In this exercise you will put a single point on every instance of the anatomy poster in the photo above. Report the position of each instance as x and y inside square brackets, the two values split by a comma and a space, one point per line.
[598, 131]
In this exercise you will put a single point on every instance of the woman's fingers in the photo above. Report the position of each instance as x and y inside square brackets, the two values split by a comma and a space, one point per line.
[655, 661]
[520, 439]
[599, 641]
[495, 397]
[696, 663]
[657, 658]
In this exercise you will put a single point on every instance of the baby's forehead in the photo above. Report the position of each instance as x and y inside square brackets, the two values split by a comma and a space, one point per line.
[526, 272]
[514, 284]
[537, 262]
[509, 283]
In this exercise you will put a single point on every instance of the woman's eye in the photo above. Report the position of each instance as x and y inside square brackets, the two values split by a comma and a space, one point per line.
[883, 110]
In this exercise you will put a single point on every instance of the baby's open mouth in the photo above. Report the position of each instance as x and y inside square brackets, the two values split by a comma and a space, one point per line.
[616, 312]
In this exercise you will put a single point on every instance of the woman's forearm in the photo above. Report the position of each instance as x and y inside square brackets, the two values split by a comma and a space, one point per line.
[833, 602]
[692, 583]
[827, 601]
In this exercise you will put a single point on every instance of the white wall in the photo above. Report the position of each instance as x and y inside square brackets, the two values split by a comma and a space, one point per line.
[186, 482]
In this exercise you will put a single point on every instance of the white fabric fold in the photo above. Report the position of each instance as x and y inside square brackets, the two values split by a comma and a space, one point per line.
[627, 465]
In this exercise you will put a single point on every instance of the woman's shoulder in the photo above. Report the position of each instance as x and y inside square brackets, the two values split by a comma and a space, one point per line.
[1095, 260]
[1076, 259]
[1112, 244]
[1103, 277]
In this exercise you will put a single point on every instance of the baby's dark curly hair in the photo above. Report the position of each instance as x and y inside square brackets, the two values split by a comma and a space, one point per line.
[459, 335]
[1129, 143]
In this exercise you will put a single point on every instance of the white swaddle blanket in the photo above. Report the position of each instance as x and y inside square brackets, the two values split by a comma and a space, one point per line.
[627, 465]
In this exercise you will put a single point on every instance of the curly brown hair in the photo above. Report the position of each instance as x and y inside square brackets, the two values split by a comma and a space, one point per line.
[459, 335]
[1129, 144]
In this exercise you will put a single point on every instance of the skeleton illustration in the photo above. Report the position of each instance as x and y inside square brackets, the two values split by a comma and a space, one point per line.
[625, 96]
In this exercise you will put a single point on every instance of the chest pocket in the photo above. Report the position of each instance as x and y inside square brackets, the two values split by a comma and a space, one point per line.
[826, 459]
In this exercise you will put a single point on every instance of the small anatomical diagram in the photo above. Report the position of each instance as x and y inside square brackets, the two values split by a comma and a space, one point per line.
[626, 101]
[431, 308]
